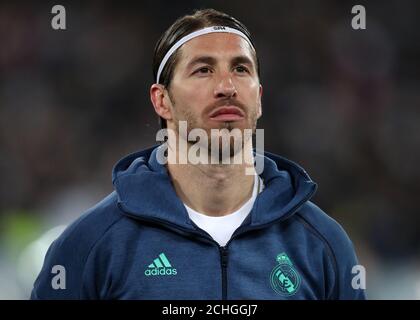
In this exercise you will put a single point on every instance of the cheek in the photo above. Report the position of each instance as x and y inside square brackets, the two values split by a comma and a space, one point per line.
[251, 92]
[194, 100]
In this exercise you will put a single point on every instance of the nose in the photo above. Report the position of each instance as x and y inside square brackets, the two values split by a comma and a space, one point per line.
[225, 87]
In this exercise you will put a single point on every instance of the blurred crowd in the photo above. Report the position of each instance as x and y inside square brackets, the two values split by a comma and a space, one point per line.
[343, 103]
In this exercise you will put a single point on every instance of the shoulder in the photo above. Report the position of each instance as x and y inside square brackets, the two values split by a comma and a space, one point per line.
[92, 224]
[72, 248]
[319, 222]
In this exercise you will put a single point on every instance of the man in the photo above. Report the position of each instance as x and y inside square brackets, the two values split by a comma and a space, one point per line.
[182, 229]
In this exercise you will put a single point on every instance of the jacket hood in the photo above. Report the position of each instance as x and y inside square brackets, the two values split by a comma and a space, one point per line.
[144, 190]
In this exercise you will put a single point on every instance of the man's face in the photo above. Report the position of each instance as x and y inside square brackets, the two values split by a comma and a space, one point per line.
[215, 84]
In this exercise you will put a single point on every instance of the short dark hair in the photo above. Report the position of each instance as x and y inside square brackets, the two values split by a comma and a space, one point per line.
[186, 25]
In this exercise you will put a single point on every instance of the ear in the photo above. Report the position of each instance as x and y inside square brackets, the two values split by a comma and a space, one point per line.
[160, 101]
[259, 111]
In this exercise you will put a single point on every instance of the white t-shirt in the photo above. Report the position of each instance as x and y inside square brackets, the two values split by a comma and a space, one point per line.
[222, 228]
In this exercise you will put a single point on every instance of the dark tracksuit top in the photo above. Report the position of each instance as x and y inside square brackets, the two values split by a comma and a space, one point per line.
[139, 243]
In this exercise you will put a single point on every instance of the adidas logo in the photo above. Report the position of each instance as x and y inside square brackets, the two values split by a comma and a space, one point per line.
[160, 267]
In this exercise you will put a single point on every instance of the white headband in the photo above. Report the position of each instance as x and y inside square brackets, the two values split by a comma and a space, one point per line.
[193, 35]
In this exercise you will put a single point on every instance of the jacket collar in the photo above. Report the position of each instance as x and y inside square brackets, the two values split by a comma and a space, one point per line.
[145, 190]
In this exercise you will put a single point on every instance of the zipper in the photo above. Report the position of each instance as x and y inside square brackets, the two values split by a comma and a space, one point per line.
[224, 263]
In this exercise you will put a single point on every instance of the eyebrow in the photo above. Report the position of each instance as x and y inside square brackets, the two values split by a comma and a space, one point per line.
[201, 59]
[212, 61]
[242, 60]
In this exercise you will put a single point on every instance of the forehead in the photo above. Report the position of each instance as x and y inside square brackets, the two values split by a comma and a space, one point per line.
[219, 45]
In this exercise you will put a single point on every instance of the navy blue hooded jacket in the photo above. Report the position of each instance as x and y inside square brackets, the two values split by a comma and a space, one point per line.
[139, 243]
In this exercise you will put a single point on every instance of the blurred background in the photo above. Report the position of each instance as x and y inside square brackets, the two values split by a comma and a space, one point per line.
[343, 103]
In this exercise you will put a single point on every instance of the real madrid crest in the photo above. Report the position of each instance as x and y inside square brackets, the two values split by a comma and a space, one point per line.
[284, 278]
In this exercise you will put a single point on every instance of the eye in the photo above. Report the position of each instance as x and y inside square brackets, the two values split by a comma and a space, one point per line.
[203, 70]
[241, 69]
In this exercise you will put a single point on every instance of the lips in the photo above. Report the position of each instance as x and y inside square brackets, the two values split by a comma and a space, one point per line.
[227, 113]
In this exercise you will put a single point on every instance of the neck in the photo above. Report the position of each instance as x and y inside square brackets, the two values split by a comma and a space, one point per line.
[212, 189]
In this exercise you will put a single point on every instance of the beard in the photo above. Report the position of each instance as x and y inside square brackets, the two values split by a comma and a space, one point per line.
[222, 142]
